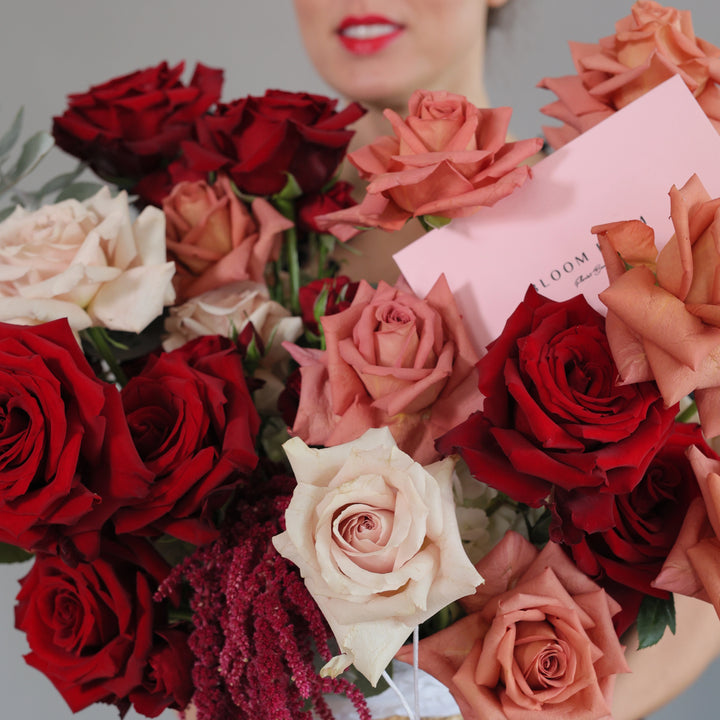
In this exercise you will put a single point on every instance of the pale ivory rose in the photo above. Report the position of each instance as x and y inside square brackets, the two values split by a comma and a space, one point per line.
[227, 310]
[86, 261]
[375, 537]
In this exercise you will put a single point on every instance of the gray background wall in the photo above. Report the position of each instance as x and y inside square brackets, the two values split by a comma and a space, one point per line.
[49, 49]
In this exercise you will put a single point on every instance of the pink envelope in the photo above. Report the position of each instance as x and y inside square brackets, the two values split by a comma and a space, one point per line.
[621, 169]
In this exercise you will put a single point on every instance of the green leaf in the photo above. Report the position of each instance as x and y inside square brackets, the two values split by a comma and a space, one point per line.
[33, 151]
[435, 221]
[291, 190]
[6, 212]
[61, 181]
[13, 554]
[8, 140]
[78, 191]
[654, 617]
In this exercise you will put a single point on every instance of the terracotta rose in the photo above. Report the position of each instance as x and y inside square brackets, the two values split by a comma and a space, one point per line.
[447, 158]
[664, 311]
[538, 640]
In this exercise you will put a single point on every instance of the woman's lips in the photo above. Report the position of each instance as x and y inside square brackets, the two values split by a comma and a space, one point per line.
[367, 35]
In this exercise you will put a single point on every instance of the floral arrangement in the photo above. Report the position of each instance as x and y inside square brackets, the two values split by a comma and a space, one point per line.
[246, 479]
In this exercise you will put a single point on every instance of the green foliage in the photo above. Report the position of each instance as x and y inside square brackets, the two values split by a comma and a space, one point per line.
[654, 617]
[12, 554]
[32, 151]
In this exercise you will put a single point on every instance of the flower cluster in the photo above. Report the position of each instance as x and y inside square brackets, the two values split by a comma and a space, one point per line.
[649, 46]
[247, 478]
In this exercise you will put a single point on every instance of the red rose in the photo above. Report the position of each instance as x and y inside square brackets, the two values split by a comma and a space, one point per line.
[66, 458]
[168, 675]
[338, 294]
[626, 557]
[194, 424]
[132, 126]
[553, 415]
[258, 140]
[90, 628]
[338, 197]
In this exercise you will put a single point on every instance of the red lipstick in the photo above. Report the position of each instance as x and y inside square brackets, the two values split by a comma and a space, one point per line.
[368, 34]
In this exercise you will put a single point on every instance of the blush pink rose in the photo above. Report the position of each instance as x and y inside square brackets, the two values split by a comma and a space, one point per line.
[215, 239]
[538, 640]
[447, 158]
[648, 47]
[376, 540]
[392, 360]
[693, 566]
[664, 312]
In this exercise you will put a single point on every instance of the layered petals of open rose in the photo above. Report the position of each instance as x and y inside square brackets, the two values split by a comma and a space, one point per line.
[648, 47]
[376, 540]
[447, 158]
[215, 239]
[86, 261]
[538, 640]
[664, 312]
[392, 360]
[693, 566]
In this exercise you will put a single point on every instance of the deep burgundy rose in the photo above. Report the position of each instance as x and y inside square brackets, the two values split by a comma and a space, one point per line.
[167, 681]
[338, 197]
[627, 556]
[553, 414]
[66, 458]
[132, 126]
[258, 140]
[194, 424]
[339, 293]
[90, 628]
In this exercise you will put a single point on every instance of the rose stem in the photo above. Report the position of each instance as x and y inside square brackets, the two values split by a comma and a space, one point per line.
[403, 701]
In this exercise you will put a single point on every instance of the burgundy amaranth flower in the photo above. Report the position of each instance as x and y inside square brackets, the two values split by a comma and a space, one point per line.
[256, 626]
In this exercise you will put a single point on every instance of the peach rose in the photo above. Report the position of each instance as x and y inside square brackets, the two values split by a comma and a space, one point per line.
[693, 566]
[649, 46]
[664, 312]
[392, 360]
[375, 538]
[86, 261]
[215, 239]
[446, 158]
[538, 641]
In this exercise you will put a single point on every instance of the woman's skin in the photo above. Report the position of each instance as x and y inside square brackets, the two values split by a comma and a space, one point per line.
[378, 52]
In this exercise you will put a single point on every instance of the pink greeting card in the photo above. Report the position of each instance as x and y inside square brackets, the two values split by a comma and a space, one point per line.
[621, 169]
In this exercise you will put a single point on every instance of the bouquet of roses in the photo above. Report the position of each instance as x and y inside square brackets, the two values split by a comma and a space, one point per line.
[247, 479]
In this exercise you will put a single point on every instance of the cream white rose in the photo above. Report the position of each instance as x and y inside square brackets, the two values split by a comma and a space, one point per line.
[229, 309]
[375, 537]
[87, 261]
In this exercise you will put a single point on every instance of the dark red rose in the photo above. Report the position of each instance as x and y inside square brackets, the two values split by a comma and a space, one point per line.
[90, 628]
[168, 675]
[626, 557]
[289, 398]
[338, 197]
[554, 416]
[67, 461]
[337, 294]
[258, 140]
[132, 126]
[194, 424]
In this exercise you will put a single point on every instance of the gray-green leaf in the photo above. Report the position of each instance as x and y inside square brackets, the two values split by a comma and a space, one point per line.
[78, 191]
[8, 140]
[33, 151]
